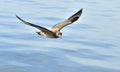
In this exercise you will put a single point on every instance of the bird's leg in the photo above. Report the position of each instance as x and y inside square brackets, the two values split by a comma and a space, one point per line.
[38, 33]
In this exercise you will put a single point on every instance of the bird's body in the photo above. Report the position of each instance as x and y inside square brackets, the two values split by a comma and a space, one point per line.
[55, 31]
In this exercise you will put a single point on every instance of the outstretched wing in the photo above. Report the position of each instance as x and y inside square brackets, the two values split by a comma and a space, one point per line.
[36, 26]
[70, 20]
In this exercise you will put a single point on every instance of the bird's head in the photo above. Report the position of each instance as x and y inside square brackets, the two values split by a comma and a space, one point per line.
[59, 34]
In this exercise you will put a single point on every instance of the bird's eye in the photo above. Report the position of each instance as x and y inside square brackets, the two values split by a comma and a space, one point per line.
[60, 33]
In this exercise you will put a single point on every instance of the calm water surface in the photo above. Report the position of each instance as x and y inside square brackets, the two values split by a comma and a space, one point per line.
[92, 44]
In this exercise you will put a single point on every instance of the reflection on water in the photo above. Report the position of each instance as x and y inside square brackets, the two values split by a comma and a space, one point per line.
[89, 45]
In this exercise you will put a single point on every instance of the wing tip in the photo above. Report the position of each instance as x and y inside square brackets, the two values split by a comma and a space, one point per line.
[18, 17]
[76, 16]
[81, 10]
[21, 19]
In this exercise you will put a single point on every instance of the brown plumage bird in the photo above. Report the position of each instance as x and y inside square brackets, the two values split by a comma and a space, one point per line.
[55, 31]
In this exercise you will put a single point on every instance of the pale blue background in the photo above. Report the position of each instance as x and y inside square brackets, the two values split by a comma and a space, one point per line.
[92, 44]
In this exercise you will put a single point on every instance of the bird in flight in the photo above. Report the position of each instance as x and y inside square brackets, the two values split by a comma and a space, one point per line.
[54, 32]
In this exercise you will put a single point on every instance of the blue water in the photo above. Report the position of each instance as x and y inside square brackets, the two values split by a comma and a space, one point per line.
[92, 44]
